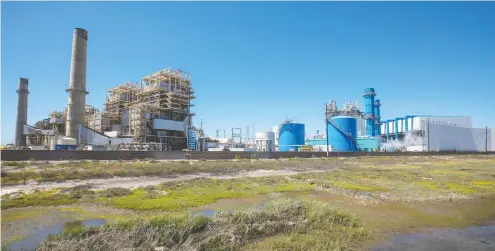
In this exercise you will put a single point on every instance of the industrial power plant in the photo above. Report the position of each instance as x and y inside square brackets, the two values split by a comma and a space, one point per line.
[154, 114]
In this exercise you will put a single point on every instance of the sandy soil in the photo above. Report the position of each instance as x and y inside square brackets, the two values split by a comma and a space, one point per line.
[134, 182]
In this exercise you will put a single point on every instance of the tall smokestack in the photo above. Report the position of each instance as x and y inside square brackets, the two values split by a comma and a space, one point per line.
[77, 85]
[22, 105]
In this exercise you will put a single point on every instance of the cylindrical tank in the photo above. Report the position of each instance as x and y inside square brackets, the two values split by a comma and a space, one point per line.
[276, 130]
[265, 141]
[77, 84]
[342, 134]
[291, 136]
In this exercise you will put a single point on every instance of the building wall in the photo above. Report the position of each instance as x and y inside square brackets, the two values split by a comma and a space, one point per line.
[319, 145]
[491, 132]
[443, 137]
[443, 120]
[90, 137]
[418, 123]
[368, 144]
[360, 127]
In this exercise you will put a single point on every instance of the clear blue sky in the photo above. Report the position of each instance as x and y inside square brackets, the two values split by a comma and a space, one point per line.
[258, 62]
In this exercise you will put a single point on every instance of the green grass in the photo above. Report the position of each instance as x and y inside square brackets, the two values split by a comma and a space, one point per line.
[22, 214]
[83, 170]
[423, 183]
[41, 198]
[181, 195]
[15, 163]
[285, 224]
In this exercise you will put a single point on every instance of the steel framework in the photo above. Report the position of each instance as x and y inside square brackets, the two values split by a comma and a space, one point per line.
[165, 94]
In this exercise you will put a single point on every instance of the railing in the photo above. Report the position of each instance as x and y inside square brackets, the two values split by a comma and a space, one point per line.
[343, 132]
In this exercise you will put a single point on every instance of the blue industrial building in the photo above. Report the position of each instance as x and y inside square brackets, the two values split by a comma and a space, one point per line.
[364, 144]
[377, 118]
[342, 128]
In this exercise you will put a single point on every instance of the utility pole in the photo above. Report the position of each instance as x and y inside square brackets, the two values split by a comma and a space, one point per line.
[326, 125]
[247, 134]
[254, 135]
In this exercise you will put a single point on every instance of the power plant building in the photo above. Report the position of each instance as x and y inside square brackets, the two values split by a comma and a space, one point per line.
[155, 114]
[155, 111]
[435, 133]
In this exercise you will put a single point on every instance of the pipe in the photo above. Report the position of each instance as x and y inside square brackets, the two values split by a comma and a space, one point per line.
[77, 84]
[22, 112]
[378, 129]
[396, 128]
[387, 130]
[406, 125]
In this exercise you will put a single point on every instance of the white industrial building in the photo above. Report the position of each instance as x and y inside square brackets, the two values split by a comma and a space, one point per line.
[435, 133]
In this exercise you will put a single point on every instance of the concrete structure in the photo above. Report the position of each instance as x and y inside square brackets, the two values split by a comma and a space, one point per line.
[77, 84]
[22, 111]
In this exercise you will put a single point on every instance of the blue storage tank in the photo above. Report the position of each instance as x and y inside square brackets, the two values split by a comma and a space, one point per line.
[291, 136]
[342, 133]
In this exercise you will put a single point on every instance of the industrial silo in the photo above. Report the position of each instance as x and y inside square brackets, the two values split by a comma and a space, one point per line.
[291, 136]
[342, 133]
[265, 141]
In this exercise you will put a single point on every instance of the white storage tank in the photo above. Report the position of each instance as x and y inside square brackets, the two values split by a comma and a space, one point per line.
[265, 141]
[276, 130]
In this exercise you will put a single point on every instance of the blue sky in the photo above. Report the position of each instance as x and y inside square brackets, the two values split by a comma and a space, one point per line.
[259, 62]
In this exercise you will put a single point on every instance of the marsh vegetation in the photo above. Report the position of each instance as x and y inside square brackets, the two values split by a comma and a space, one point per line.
[350, 203]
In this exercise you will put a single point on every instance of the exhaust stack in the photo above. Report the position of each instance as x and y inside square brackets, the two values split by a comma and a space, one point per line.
[77, 84]
[22, 105]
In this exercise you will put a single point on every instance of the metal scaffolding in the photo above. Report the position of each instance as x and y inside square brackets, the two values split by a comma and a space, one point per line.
[171, 91]
[165, 94]
[119, 99]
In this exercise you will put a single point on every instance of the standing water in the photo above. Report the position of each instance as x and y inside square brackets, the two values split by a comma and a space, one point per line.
[472, 239]
[33, 241]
